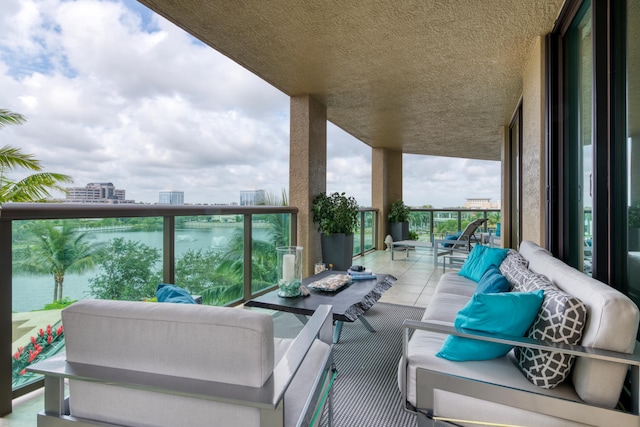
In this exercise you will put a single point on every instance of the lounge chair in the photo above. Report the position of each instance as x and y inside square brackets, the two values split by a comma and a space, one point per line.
[462, 245]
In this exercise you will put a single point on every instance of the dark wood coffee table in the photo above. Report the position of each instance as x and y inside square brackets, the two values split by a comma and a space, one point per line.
[349, 303]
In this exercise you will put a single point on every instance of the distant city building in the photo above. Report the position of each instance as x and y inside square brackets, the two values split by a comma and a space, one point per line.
[96, 192]
[251, 197]
[481, 204]
[171, 197]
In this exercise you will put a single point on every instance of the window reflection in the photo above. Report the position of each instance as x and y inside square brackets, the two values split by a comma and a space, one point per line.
[633, 147]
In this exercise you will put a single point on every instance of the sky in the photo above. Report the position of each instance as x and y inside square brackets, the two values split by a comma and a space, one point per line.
[115, 93]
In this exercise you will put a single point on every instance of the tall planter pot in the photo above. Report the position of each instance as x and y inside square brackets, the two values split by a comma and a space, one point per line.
[337, 249]
[399, 231]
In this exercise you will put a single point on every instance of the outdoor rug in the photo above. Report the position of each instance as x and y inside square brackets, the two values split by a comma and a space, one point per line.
[366, 391]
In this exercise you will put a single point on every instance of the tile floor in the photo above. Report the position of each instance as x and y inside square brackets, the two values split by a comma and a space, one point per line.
[417, 279]
[416, 274]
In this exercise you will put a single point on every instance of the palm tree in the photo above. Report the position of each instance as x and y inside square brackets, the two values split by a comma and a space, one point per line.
[264, 259]
[56, 250]
[280, 224]
[33, 188]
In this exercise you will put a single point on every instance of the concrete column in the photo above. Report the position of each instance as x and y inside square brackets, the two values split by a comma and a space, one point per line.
[307, 171]
[386, 186]
[533, 197]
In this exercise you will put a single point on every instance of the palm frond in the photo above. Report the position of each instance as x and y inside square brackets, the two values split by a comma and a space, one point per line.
[12, 157]
[35, 187]
[10, 118]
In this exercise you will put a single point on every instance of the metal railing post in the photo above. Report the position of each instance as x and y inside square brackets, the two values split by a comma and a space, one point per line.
[293, 229]
[247, 270]
[362, 230]
[376, 229]
[169, 249]
[6, 393]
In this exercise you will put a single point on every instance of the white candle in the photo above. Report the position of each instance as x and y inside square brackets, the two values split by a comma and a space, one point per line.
[288, 267]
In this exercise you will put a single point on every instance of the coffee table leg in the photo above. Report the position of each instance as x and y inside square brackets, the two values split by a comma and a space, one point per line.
[366, 324]
[302, 318]
[337, 331]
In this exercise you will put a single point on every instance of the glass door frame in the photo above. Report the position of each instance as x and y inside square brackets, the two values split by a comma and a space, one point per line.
[512, 231]
[559, 237]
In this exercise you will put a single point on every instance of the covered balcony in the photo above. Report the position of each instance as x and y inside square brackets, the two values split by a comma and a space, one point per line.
[494, 80]
[236, 232]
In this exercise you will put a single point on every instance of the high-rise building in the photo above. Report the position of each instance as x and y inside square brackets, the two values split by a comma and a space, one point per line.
[96, 192]
[251, 197]
[171, 197]
[481, 203]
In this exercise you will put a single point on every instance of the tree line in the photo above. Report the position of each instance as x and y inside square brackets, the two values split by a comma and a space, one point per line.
[131, 270]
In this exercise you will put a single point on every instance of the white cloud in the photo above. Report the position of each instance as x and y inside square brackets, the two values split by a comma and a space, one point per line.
[115, 93]
[447, 182]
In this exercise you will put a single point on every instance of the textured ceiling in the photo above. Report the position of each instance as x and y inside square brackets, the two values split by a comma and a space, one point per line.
[438, 77]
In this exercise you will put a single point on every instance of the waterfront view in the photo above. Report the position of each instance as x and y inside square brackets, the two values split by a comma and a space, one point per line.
[33, 292]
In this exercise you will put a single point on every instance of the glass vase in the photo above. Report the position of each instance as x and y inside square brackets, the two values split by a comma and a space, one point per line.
[289, 271]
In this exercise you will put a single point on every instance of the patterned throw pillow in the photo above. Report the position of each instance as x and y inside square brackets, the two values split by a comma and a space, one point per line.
[533, 281]
[515, 269]
[560, 320]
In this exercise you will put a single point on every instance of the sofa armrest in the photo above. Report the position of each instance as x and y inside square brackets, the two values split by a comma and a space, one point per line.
[269, 396]
[632, 360]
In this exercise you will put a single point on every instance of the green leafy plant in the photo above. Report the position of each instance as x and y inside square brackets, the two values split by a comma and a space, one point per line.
[399, 212]
[634, 215]
[58, 305]
[335, 213]
[128, 271]
[413, 235]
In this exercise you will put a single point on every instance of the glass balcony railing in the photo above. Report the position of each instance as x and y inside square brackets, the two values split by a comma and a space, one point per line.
[364, 236]
[427, 224]
[123, 251]
[54, 254]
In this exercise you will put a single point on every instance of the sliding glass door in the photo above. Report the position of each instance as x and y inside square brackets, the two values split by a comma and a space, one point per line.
[578, 140]
[632, 135]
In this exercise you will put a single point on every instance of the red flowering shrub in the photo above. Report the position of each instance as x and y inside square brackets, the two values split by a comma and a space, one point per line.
[35, 350]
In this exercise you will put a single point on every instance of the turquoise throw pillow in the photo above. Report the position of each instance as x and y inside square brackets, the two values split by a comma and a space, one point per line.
[510, 313]
[172, 293]
[480, 259]
[492, 282]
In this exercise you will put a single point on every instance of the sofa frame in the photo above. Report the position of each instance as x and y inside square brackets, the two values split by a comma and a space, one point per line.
[269, 398]
[501, 390]
[428, 381]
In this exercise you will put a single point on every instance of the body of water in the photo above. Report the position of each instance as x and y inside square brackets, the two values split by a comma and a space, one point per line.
[33, 292]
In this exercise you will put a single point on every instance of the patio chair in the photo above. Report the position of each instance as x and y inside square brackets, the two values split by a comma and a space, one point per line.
[461, 245]
[140, 363]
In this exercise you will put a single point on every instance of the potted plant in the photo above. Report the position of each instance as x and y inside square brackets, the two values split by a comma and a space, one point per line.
[336, 216]
[399, 221]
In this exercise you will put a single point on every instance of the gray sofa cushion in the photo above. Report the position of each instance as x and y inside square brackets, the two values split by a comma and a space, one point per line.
[561, 319]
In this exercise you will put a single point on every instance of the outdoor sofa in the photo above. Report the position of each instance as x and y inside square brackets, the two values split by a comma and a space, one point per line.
[165, 364]
[539, 382]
